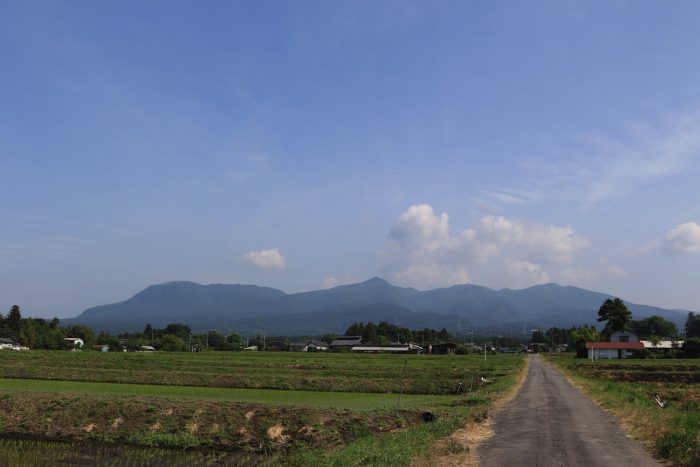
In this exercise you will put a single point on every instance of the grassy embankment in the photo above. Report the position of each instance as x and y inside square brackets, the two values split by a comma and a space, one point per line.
[627, 388]
[203, 406]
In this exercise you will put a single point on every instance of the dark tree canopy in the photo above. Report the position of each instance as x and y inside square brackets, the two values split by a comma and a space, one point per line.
[616, 313]
[654, 326]
[13, 318]
[692, 325]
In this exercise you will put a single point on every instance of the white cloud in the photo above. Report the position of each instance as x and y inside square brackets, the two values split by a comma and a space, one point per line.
[420, 227]
[266, 259]
[422, 253]
[526, 273]
[682, 239]
[548, 242]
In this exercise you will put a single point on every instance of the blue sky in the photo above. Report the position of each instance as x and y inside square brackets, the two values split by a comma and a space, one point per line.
[301, 145]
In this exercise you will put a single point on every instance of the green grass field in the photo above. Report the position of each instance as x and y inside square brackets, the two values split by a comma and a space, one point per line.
[338, 400]
[332, 409]
[298, 371]
[628, 387]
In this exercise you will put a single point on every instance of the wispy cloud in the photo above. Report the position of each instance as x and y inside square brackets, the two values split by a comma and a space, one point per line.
[599, 167]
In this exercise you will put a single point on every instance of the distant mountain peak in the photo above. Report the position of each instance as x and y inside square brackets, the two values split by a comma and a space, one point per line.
[376, 280]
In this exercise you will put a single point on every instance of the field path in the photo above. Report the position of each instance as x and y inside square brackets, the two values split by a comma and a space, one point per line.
[551, 423]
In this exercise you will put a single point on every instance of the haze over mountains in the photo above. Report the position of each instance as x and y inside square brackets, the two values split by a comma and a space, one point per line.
[251, 309]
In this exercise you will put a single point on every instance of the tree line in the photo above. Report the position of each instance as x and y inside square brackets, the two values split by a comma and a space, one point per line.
[385, 333]
[38, 333]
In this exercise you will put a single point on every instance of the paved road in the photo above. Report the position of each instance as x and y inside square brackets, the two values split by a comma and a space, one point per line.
[551, 423]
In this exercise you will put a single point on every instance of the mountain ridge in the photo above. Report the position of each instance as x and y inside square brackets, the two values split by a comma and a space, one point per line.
[252, 308]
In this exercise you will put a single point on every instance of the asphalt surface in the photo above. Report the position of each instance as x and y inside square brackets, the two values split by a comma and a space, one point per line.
[551, 423]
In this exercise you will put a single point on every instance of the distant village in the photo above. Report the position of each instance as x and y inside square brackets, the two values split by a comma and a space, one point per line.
[652, 337]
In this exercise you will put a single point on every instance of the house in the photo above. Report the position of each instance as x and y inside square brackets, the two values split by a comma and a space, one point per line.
[101, 348]
[610, 350]
[310, 346]
[346, 342]
[8, 344]
[621, 345]
[252, 348]
[147, 348]
[316, 346]
[390, 348]
[76, 342]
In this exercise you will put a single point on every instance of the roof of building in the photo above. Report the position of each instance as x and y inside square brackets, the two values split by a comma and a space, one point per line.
[662, 344]
[614, 345]
[6, 340]
[318, 343]
[347, 340]
[380, 348]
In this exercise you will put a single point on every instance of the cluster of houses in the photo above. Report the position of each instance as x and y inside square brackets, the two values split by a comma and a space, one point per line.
[355, 344]
[625, 345]
[9, 344]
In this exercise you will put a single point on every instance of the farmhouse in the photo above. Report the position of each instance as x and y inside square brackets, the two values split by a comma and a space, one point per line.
[76, 342]
[621, 345]
[8, 344]
[311, 346]
[346, 342]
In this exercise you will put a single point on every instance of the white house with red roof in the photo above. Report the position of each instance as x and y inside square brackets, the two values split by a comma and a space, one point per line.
[621, 345]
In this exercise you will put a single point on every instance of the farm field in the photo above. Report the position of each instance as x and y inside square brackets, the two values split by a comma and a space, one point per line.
[343, 372]
[291, 408]
[628, 388]
[328, 399]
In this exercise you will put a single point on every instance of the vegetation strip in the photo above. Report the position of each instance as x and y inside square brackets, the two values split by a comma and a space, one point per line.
[338, 400]
[669, 426]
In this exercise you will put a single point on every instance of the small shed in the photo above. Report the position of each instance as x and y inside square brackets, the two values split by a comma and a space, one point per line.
[443, 348]
[663, 345]
[76, 342]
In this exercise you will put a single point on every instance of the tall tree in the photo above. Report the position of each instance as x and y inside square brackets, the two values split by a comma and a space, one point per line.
[616, 313]
[692, 325]
[13, 318]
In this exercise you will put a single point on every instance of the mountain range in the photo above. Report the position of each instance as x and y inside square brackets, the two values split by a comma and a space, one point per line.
[251, 309]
